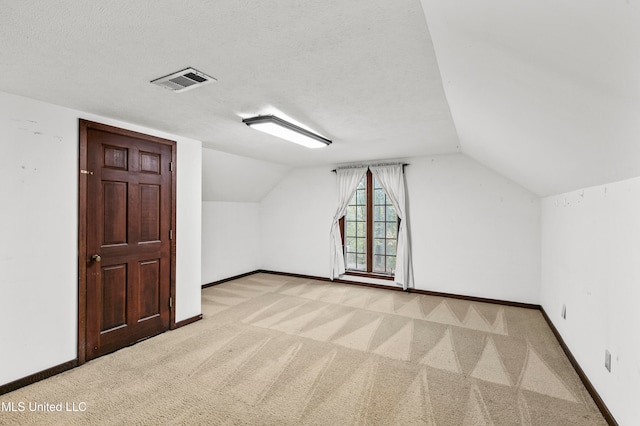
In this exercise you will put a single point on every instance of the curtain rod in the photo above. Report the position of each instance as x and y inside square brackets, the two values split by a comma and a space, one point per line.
[355, 166]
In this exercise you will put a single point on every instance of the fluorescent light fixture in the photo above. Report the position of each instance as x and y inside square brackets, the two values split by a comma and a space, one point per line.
[283, 129]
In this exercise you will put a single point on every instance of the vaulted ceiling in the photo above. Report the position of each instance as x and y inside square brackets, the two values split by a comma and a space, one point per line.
[544, 92]
[547, 94]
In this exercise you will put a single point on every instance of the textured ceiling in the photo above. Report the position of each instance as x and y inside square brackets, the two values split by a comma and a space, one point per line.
[361, 72]
[545, 92]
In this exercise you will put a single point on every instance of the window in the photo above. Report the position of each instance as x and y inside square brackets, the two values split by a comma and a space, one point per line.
[370, 230]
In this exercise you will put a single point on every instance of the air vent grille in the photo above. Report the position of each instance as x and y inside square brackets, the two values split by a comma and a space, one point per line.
[181, 81]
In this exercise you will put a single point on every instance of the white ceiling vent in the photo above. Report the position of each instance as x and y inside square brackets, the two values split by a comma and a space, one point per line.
[183, 80]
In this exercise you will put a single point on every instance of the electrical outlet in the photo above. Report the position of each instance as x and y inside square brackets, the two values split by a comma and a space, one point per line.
[607, 360]
[564, 312]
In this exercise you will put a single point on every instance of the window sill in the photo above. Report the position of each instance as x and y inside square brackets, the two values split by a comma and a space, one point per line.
[370, 275]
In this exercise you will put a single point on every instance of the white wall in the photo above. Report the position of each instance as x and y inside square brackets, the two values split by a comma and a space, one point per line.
[591, 263]
[189, 218]
[232, 187]
[230, 239]
[474, 232]
[295, 219]
[39, 213]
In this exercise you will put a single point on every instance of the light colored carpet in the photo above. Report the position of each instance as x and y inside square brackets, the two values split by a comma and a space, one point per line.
[278, 350]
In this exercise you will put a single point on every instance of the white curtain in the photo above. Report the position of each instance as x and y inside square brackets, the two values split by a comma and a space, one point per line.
[391, 178]
[348, 180]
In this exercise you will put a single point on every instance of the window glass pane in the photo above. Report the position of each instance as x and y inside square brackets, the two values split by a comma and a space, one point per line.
[378, 213]
[361, 213]
[378, 246]
[391, 214]
[353, 199]
[351, 213]
[392, 230]
[378, 263]
[360, 245]
[350, 230]
[378, 229]
[363, 183]
[360, 229]
[391, 264]
[361, 197]
[361, 262]
[350, 245]
[351, 260]
[376, 184]
[379, 197]
[391, 247]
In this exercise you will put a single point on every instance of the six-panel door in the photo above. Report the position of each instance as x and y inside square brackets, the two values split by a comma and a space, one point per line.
[128, 246]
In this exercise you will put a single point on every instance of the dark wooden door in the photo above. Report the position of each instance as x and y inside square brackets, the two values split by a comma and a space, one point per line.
[128, 230]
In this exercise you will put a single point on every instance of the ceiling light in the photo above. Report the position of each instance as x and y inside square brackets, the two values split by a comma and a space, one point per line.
[283, 129]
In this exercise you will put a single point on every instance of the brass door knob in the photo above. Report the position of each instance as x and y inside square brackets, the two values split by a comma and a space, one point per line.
[96, 258]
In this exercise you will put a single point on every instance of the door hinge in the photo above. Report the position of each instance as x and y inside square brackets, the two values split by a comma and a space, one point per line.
[170, 302]
[85, 172]
[170, 166]
[171, 234]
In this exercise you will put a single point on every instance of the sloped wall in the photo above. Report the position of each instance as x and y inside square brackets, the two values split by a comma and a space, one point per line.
[554, 109]
[234, 178]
